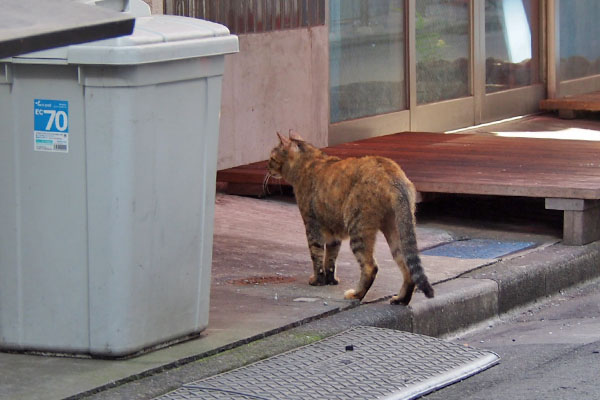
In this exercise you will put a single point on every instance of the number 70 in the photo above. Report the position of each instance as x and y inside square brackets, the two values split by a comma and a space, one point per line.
[57, 118]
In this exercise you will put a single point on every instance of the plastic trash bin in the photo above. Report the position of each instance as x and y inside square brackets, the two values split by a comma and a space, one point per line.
[108, 154]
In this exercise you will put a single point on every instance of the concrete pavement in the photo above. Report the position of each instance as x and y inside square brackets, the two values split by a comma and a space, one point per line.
[468, 299]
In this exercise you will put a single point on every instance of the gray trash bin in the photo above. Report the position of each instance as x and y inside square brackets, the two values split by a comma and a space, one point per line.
[108, 155]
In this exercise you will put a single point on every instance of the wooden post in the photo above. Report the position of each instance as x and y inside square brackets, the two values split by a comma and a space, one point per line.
[581, 222]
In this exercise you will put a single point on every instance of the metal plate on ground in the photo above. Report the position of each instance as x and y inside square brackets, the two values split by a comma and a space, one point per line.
[361, 363]
[478, 248]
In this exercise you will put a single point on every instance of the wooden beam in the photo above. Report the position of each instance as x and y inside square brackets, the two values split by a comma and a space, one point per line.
[582, 102]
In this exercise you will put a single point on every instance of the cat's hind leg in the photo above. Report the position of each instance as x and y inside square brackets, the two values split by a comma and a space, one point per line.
[407, 289]
[393, 239]
[362, 245]
[332, 250]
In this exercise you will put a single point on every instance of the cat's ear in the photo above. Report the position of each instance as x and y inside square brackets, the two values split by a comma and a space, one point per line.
[282, 139]
[295, 136]
[297, 146]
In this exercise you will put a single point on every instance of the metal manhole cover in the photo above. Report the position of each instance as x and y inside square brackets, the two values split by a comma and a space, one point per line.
[361, 363]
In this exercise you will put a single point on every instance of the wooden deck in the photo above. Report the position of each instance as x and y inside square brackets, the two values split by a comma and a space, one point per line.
[564, 172]
[567, 106]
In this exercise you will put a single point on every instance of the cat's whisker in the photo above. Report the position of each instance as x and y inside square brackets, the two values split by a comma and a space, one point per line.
[266, 183]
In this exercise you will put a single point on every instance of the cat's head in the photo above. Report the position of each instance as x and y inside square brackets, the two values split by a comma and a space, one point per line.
[285, 155]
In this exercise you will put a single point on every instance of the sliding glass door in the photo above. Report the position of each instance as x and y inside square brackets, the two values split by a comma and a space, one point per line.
[575, 67]
[441, 59]
[511, 36]
[366, 58]
[511, 51]
[367, 75]
[431, 65]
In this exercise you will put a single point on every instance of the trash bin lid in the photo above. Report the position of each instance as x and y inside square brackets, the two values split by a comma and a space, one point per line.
[155, 38]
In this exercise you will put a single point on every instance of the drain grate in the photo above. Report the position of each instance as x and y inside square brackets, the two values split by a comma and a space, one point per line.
[361, 363]
[477, 248]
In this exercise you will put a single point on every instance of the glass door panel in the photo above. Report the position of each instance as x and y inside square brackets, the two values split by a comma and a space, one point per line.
[460, 62]
[579, 39]
[443, 48]
[511, 32]
[511, 83]
[366, 58]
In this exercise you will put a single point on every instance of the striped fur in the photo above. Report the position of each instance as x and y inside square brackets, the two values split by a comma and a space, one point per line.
[355, 198]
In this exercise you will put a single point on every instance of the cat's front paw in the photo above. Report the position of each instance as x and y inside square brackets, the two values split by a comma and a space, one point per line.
[317, 280]
[332, 280]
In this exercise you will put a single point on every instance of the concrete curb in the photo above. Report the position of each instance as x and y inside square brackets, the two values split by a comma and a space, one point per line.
[541, 273]
[459, 303]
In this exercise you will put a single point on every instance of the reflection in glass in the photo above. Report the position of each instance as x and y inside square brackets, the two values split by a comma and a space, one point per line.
[510, 44]
[366, 58]
[579, 33]
[443, 47]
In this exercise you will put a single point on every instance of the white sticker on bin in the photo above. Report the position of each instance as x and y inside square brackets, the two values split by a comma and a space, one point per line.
[51, 125]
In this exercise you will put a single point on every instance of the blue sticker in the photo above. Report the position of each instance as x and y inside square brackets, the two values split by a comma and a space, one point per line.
[51, 125]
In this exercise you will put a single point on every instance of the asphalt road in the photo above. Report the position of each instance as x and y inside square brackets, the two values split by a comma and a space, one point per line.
[549, 350]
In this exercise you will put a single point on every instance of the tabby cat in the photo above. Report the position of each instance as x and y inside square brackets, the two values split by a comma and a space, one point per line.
[354, 197]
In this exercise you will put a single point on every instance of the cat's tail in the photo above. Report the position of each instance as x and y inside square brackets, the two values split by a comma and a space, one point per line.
[405, 223]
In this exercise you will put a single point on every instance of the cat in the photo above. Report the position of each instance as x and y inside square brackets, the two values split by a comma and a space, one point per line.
[355, 198]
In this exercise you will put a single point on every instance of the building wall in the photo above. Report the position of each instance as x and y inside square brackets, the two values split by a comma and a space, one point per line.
[277, 82]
